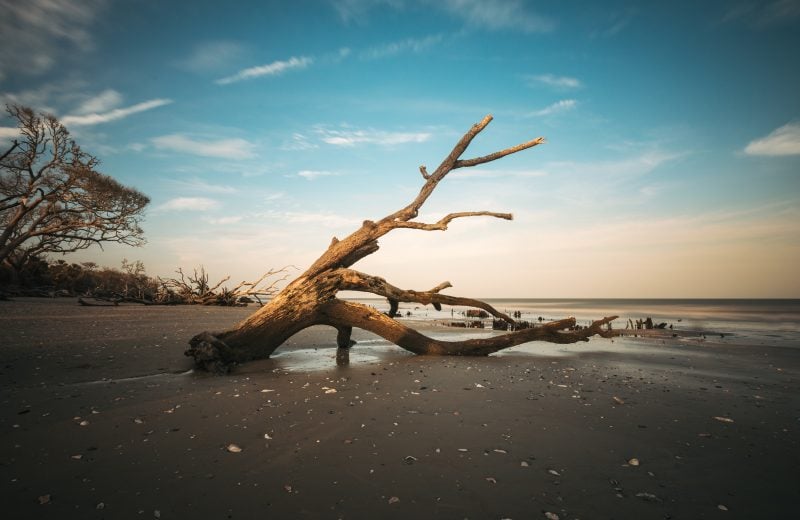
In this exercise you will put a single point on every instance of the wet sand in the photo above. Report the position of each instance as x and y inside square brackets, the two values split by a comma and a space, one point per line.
[102, 417]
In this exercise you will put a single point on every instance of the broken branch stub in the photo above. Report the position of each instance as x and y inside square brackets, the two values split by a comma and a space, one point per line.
[311, 299]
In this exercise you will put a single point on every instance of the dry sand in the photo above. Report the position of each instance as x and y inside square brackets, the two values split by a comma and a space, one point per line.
[101, 418]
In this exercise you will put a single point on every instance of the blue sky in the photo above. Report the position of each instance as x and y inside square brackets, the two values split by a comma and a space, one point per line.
[262, 129]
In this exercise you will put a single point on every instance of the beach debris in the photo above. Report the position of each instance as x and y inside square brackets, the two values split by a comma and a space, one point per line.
[83, 423]
[554, 472]
[100, 505]
[266, 390]
[44, 499]
[409, 459]
[138, 421]
[394, 500]
[523, 464]
[478, 385]
[266, 436]
[633, 462]
[234, 448]
[157, 513]
[722, 507]
[723, 419]
[550, 516]
[618, 400]
[491, 480]
[287, 488]
[502, 452]
[329, 390]
[463, 449]
[649, 497]
[76, 457]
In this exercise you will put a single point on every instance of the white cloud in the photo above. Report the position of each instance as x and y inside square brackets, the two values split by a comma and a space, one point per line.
[763, 15]
[223, 148]
[497, 14]
[7, 132]
[357, 137]
[781, 141]
[311, 175]
[35, 33]
[357, 10]
[298, 142]
[640, 164]
[203, 186]
[270, 69]
[407, 45]
[558, 106]
[497, 174]
[223, 220]
[558, 82]
[188, 204]
[327, 220]
[103, 102]
[212, 56]
[112, 115]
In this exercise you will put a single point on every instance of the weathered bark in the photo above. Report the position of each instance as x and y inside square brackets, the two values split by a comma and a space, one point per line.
[311, 298]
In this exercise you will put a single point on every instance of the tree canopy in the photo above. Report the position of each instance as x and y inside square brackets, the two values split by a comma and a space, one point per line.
[53, 199]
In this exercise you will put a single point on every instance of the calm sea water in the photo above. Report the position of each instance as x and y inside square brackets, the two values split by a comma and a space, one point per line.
[773, 321]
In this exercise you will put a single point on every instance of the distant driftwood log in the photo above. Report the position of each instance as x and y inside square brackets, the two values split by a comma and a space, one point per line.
[311, 299]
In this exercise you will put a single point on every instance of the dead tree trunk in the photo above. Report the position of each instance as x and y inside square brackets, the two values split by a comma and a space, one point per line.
[311, 298]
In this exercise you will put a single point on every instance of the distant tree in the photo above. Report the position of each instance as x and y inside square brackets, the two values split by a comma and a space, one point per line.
[53, 199]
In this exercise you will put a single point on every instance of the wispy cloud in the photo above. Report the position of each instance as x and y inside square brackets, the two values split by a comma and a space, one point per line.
[298, 142]
[233, 219]
[611, 24]
[357, 10]
[235, 148]
[311, 175]
[112, 115]
[34, 33]
[498, 14]
[8, 132]
[212, 56]
[781, 141]
[271, 69]
[327, 220]
[370, 136]
[398, 47]
[499, 174]
[202, 186]
[556, 82]
[763, 15]
[188, 204]
[102, 102]
[559, 106]
[639, 164]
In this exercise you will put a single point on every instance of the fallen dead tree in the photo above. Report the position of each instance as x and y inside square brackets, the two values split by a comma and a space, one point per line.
[311, 299]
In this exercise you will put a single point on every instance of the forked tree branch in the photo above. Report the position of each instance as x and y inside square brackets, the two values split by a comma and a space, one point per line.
[356, 281]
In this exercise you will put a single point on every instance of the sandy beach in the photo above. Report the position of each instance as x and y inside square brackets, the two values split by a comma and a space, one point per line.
[102, 417]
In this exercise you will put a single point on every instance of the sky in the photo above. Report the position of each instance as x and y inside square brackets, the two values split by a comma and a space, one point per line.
[260, 130]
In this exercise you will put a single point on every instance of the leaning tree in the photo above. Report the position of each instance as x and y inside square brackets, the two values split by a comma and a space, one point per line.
[311, 299]
[53, 199]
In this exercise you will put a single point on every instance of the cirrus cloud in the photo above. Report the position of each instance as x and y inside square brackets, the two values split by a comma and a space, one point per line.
[112, 115]
[188, 204]
[235, 148]
[271, 69]
[781, 141]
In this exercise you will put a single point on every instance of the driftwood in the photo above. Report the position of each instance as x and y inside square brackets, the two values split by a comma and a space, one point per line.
[194, 289]
[311, 299]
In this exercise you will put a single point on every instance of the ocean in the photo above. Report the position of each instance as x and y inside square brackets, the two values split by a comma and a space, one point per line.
[757, 321]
